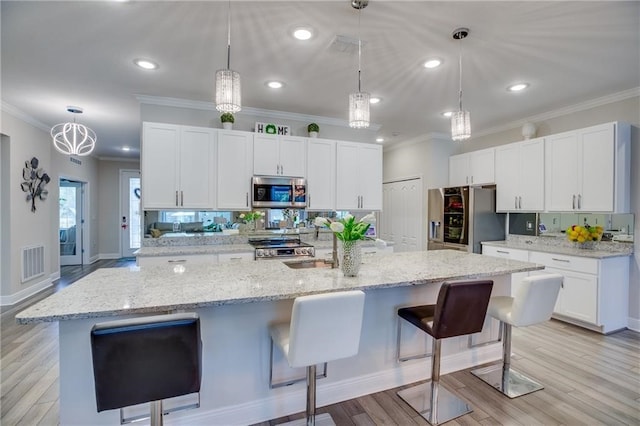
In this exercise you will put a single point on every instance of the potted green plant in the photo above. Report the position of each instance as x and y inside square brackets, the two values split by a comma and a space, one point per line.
[313, 130]
[227, 120]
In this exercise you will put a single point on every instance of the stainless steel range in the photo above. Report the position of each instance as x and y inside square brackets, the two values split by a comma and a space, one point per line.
[281, 247]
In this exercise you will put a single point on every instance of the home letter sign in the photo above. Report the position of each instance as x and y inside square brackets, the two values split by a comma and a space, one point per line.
[272, 129]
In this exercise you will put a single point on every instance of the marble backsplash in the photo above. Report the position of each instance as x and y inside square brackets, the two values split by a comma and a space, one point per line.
[217, 238]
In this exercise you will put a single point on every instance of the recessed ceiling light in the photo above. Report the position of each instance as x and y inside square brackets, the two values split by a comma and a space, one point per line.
[447, 114]
[146, 64]
[432, 63]
[375, 100]
[517, 87]
[274, 84]
[302, 33]
[126, 148]
[379, 140]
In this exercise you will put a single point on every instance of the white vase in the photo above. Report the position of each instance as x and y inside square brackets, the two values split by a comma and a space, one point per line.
[227, 125]
[313, 134]
[350, 254]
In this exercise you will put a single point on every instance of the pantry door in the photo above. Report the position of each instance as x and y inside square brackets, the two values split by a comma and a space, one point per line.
[130, 214]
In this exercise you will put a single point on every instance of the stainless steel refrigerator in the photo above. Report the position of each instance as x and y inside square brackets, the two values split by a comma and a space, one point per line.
[461, 217]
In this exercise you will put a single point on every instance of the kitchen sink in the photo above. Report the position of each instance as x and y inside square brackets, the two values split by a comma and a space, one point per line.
[307, 264]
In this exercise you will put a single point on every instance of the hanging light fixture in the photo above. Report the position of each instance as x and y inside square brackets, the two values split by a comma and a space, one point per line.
[228, 93]
[73, 138]
[359, 101]
[460, 120]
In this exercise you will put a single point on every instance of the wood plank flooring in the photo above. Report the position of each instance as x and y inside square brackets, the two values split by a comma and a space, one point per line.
[589, 379]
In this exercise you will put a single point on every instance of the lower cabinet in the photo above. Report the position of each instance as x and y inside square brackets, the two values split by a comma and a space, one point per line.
[512, 254]
[236, 257]
[188, 259]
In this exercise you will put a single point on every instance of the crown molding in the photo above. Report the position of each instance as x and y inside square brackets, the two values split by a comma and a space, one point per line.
[427, 137]
[604, 100]
[119, 159]
[19, 114]
[258, 112]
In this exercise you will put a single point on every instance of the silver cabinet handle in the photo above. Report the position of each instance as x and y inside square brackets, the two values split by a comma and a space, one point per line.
[519, 202]
[246, 198]
[177, 261]
[467, 179]
[176, 198]
[308, 200]
[181, 198]
[579, 201]
[502, 251]
[515, 202]
[471, 178]
[574, 202]
[560, 260]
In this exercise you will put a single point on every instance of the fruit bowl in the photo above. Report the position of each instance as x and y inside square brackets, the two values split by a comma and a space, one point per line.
[582, 234]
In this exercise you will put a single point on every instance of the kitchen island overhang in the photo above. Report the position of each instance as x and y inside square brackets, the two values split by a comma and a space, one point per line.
[236, 302]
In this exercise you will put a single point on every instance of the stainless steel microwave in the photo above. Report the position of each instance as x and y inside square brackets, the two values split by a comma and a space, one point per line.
[278, 192]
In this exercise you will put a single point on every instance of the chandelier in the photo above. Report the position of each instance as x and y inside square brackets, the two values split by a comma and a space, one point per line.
[228, 92]
[461, 119]
[73, 138]
[359, 101]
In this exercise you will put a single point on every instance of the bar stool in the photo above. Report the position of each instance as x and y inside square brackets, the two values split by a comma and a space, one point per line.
[146, 359]
[323, 327]
[461, 309]
[532, 304]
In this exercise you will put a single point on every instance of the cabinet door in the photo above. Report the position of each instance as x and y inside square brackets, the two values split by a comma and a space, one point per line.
[197, 168]
[159, 171]
[561, 172]
[531, 175]
[597, 164]
[370, 176]
[507, 177]
[293, 155]
[265, 155]
[321, 175]
[459, 170]
[578, 296]
[235, 162]
[482, 164]
[347, 176]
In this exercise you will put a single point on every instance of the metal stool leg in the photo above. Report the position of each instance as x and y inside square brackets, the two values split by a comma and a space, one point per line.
[502, 377]
[434, 402]
[311, 395]
[156, 413]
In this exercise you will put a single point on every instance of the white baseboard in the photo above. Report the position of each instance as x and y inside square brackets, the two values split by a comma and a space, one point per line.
[634, 324]
[106, 256]
[330, 393]
[54, 275]
[25, 293]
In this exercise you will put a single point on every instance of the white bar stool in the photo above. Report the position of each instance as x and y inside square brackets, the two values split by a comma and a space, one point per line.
[146, 359]
[461, 309]
[323, 327]
[532, 304]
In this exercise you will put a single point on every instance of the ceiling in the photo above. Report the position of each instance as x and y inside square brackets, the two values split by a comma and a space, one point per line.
[81, 53]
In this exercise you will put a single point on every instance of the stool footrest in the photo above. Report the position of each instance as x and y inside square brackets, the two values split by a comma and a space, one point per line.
[507, 381]
[126, 420]
[321, 420]
[448, 406]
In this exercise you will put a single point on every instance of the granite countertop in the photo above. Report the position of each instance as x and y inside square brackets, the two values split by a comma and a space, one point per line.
[121, 291]
[571, 250]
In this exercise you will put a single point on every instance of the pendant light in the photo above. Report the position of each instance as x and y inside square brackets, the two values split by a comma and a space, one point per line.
[359, 101]
[460, 120]
[228, 92]
[73, 138]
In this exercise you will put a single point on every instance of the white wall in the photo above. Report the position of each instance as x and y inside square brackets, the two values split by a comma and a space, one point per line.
[626, 110]
[22, 140]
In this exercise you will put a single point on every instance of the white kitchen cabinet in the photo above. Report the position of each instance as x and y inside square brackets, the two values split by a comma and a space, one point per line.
[519, 176]
[472, 168]
[321, 175]
[279, 155]
[187, 259]
[358, 176]
[594, 293]
[512, 254]
[235, 168]
[589, 169]
[177, 167]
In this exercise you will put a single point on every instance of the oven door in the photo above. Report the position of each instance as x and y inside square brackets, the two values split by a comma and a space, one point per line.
[269, 192]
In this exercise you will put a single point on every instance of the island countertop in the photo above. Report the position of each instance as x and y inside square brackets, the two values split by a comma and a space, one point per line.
[122, 291]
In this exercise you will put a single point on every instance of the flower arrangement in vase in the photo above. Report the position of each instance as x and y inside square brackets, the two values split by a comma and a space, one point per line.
[252, 217]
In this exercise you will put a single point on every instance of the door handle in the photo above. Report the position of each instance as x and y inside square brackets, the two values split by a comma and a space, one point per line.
[574, 202]
[515, 202]
[519, 202]
[246, 196]
[176, 198]
[579, 201]
[181, 198]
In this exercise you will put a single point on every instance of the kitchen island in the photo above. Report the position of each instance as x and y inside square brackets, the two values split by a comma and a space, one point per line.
[236, 302]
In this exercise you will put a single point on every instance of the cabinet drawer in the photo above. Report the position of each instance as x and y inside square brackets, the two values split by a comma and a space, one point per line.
[191, 259]
[506, 253]
[236, 257]
[561, 261]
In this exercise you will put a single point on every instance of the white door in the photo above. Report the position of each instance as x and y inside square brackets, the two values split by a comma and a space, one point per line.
[413, 223]
[70, 222]
[130, 214]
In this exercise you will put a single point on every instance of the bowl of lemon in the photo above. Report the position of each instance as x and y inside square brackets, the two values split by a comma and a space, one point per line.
[586, 236]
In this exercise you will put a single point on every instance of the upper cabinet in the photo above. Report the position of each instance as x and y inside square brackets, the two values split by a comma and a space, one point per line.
[321, 175]
[358, 176]
[519, 176]
[472, 168]
[589, 169]
[176, 166]
[279, 155]
[235, 166]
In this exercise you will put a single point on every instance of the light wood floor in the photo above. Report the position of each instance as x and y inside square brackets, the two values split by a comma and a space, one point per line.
[589, 379]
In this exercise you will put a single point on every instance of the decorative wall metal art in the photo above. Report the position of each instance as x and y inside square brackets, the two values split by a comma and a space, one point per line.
[34, 181]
